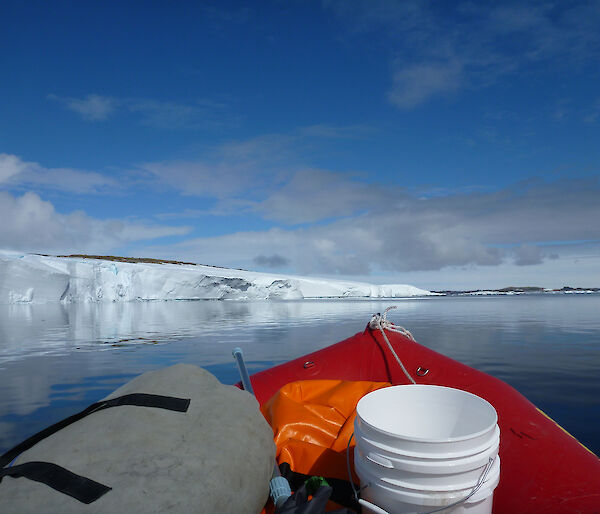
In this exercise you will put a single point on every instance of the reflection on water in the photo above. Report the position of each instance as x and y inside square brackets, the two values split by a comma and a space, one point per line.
[55, 359]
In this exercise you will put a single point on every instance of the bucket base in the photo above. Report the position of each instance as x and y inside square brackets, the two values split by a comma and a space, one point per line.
[483, 506]
[397, 500]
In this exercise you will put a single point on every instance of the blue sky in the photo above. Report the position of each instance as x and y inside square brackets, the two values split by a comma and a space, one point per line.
[443, 144]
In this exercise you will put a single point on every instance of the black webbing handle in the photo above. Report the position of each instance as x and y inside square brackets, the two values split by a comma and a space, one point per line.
[60, 479]
[136, 399]
[81, 488]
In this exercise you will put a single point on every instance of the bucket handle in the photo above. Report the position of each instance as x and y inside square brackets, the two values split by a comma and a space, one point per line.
[373, 507]
[379, 510]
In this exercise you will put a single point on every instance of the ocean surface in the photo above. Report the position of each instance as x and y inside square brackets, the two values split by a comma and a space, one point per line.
[56, 359]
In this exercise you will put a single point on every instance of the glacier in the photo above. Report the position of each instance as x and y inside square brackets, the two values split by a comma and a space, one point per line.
[33, 278]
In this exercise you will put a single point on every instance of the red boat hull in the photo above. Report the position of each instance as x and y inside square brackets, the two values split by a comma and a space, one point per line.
[544, 469]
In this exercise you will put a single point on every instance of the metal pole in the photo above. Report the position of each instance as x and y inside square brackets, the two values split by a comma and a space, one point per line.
[239, 360]
[279, 486]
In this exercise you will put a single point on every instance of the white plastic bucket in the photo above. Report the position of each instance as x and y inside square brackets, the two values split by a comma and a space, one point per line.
[395, 499]
[419, 447]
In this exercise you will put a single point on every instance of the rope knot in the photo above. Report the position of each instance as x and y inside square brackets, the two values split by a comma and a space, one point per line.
[380, 322]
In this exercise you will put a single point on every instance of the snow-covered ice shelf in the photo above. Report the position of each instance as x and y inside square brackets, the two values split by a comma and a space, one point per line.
[29, 278]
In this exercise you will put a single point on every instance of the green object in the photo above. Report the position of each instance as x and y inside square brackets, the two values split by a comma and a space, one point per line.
[313, 483]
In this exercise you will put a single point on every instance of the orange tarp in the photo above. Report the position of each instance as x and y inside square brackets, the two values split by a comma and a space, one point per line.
[312, 421]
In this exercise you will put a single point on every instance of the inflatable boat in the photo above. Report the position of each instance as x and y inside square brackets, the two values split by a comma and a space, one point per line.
[164, 441]
[543, 468]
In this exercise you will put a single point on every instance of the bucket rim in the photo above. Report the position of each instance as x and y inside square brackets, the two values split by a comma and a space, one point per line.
[408, 489]
[426, 439]
[426, 463]
[360, 437]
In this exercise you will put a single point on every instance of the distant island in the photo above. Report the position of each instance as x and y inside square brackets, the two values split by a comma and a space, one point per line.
[519, 290]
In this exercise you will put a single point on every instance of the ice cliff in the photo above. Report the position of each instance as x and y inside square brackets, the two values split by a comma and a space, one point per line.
[29, 278]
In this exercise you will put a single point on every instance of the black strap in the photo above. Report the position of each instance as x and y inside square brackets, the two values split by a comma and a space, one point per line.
[83, 489]
[136, 399]
[60, 479]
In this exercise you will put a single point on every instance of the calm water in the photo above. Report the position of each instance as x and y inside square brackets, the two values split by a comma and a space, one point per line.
[56, 359]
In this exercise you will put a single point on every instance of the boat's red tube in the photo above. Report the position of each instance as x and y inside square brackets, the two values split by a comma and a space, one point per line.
[544, 469]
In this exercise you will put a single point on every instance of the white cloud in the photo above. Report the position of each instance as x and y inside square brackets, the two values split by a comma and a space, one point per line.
[442, 48]
[261, 175]
[236, 168]
[414, 84]
[311, 195]
[177, 116]
[350, 226]
[35, 226]
[159, 114]
[577, 270]
[396, 232]
[10, 165]
[271, 261]
[91, 108]
[14, 171]
[527, 255]
[206, 179]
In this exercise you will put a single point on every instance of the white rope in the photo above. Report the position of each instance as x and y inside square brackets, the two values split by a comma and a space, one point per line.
[382, 323]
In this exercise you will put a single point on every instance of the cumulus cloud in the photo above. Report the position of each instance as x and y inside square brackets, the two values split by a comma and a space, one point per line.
[339, 223]
[271, 261]
[11, 165]
[414, 234]
[275, 193]
[15, 171]
[35, 226]
[527, 255]
[265, 175]
[311, 195]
